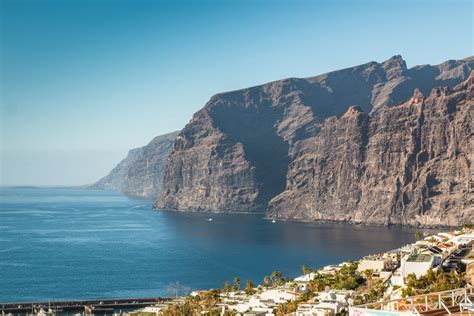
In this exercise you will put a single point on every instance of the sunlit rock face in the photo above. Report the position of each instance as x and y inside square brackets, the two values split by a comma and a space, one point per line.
[410, 164]
[299, 149]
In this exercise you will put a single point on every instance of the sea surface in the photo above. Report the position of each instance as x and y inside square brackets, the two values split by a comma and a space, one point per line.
[60, 244]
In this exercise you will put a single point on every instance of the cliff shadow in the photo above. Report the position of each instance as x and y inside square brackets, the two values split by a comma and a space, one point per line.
[254, 128]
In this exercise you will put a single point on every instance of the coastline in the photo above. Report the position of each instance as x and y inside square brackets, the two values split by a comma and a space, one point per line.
[288, 289]
[318, 221]
[395, 273]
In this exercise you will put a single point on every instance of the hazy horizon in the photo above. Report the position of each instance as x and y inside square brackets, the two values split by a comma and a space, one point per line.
[85, 81]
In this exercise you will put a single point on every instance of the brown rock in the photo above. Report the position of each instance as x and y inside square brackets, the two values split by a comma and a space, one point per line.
[410, 164]
[283, 142]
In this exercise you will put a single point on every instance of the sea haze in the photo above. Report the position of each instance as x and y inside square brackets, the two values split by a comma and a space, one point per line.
[76, 244]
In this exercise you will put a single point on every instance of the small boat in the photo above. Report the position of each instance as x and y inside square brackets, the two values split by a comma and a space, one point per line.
[273, 221]
[209, 219]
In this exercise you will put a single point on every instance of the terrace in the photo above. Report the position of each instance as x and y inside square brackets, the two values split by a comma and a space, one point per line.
[454, 302]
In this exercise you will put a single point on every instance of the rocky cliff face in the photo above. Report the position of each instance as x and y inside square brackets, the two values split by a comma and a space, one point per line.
[410, 164]
[140, 173]
[246, 147]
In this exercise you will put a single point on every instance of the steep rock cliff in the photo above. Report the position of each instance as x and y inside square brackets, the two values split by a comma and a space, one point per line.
[410, 164]
[235, 153]
[140, 173]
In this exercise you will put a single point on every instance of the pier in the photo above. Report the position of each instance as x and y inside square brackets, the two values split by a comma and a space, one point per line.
[96, 306]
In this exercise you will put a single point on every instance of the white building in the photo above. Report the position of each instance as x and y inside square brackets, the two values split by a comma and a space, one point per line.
[305, 278]
[303, 281]
[463, 239]
[258, 304]
[278, 295]
[331, 269]
[374, 263]
[418, 264]
[326, 304]
[397, 278]
[315, 309]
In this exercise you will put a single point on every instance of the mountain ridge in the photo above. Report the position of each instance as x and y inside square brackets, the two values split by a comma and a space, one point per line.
[240, 152]
[257, 132]
[429, 186]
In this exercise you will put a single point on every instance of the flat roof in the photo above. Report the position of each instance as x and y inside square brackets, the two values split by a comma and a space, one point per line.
[422, 257]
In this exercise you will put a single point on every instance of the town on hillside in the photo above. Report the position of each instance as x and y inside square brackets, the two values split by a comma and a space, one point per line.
[432, 276]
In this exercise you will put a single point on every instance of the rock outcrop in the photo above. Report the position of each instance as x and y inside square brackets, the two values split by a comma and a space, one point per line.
[410, 164]
[248, 147]
[140, 173]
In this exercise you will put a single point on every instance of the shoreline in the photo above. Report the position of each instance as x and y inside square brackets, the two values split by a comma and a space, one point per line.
[351, 286]
[288, 220]
[233, 300]
[99, 299]
[318, 221]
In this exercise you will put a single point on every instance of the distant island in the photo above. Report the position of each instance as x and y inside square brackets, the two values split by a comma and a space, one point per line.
[377, 143]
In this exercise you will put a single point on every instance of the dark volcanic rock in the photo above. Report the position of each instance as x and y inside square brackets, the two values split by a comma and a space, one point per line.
[241, 150]
[410, 164]
[140, 173]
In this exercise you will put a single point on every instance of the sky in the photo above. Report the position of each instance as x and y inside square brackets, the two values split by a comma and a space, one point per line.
[84, 81]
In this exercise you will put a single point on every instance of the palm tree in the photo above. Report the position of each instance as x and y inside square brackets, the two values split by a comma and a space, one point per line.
[277, 278]
[249, 287]
[227, 288]
[306, 270]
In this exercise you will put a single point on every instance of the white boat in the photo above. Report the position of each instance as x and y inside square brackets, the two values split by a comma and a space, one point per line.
[273, 221]
[209, 219]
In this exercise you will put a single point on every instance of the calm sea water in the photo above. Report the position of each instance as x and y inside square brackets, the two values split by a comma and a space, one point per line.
[76, 244]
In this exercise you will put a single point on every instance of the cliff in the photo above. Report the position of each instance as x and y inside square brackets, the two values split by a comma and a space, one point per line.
[140, 173]
[410, 164]
[249, 150]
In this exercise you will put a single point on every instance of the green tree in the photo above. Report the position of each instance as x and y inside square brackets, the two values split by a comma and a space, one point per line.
[376, 291]
[277, 278]
[418, 235]
[320, 281]
[267, 281]
[209, 300]
[468, 225]
[306, 296]
[285, 308]
[227, 288]
[249, 287]
[433, 281]
[348, 278]
[368, 276]
[236, 285]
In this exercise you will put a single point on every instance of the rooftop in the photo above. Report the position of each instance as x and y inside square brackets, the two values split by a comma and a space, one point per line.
[422, 257]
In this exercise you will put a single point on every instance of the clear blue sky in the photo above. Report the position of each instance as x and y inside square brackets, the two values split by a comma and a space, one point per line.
[83, 81]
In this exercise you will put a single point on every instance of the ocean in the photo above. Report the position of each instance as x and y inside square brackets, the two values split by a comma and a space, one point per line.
[58, 244]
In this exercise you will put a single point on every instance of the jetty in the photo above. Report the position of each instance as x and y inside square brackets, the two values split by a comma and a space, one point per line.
[95, 306]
